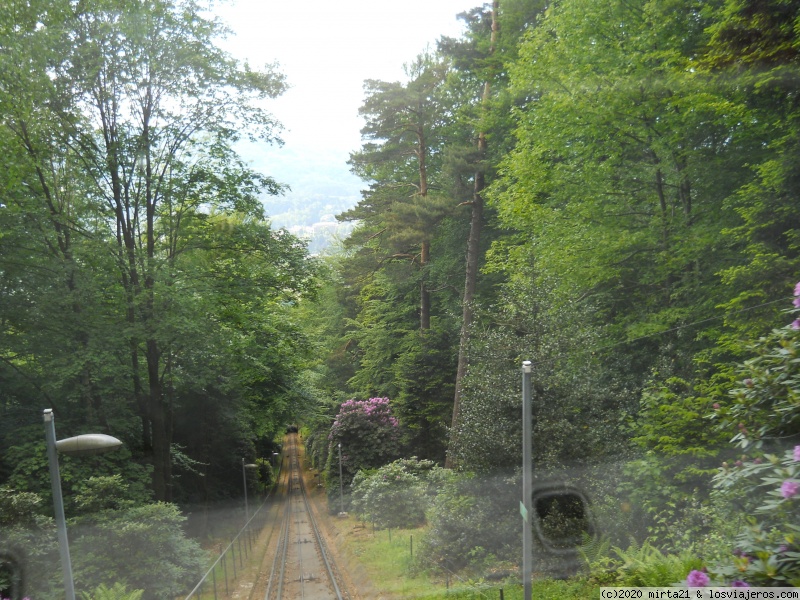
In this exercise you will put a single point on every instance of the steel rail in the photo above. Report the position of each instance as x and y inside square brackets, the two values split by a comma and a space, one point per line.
[329, 565]
[281, 553]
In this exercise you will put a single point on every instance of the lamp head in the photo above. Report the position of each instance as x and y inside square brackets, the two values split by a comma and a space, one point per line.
[88, 444]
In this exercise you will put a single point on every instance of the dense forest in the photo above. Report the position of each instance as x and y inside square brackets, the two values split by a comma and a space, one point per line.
[607, 189]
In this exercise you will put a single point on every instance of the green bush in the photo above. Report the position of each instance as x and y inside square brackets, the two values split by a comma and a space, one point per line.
[28, 543]
[143, 547]
[767, 551]
[761, 413]
[472, 522]
[397, 494]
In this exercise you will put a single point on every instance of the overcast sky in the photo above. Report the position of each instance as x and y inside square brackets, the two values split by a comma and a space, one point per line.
[327, 48]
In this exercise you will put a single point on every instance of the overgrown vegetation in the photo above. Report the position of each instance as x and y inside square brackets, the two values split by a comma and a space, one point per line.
[631, 172]
[615, 185]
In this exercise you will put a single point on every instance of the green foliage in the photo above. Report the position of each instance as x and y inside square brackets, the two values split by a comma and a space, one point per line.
[27, 465]
[116, 592]
[397, 494]
[369, 437]
[765, 403]
[473, 522]
[581, 396]
[758, 41]
[640, 565]
[116, 541]
[142, 547]
[612, 207]
[29, 541]
[671, 481]
[149, 290]
[110, 493]
[763, 411]
[763, 557]
[767, 548]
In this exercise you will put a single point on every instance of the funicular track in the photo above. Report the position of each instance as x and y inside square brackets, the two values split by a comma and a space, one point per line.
[302, 567]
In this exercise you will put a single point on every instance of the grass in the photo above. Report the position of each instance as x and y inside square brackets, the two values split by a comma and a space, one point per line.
[544, 589]
[385, 557]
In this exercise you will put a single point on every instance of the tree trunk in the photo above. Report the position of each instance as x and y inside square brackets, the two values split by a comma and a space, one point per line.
[473, 257]
[425, 250]
[425, 295]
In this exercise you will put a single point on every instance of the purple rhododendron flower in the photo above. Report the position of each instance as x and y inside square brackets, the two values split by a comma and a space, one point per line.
[789, 489]
[797, 453]
[796, 324]
[697, 579]
[740, 583]
[796, 302]
[797, 289]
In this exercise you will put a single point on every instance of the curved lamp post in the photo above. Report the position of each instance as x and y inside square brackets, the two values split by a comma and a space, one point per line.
[82, 445]
[244, 480]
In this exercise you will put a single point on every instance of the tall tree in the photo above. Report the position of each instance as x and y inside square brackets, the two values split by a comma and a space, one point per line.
[479, 82]
[402, 133]
[624, 157]
[753, 56]
[475, 229]
[125, 119]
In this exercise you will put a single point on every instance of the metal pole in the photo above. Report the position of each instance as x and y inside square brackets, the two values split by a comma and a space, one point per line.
[58, 502]
[341, 481]
[244, 480]
[527, 484]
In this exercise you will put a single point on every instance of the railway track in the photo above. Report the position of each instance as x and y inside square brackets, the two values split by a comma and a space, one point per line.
[302, 567]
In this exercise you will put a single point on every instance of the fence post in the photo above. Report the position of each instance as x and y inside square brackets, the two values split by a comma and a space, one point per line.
[214, 579]
[233, 560]
[225, 570]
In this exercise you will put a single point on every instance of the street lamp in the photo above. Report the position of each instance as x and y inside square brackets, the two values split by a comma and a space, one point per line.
[341, 482]
[527, 481]
[82, 445]
[244, 479]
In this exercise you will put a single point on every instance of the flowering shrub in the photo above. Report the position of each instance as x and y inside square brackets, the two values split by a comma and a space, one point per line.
[697, 579]
[375, 411]
[766, 403]
[768, 551]
[765, 409]
[370, 437]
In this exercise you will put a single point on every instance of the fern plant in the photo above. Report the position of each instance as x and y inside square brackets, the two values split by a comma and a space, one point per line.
[640, 565]
[595, 553]
[646, 566]
[117, 592]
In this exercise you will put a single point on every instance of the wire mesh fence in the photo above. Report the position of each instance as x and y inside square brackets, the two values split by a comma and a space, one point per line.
[220, 578]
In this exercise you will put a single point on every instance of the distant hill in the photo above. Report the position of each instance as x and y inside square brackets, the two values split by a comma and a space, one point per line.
[321, 188]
